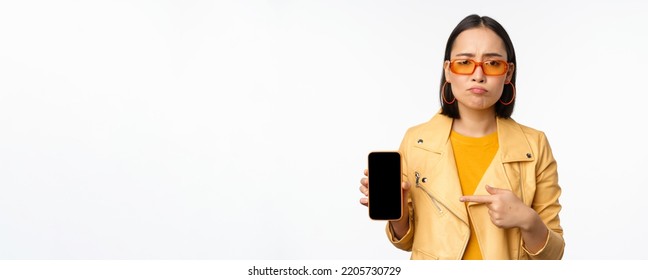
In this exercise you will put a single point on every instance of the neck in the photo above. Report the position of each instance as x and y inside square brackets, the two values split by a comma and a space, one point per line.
[475, 123]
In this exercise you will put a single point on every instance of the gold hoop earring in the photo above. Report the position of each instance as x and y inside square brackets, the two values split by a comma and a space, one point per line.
[512, 98]
[443, 95]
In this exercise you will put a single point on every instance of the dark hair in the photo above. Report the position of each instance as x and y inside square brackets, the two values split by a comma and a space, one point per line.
[473, 21]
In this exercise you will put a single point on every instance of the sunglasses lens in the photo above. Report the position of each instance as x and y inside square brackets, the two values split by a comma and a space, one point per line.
[494, 67]
[490, 67]
[462, 66]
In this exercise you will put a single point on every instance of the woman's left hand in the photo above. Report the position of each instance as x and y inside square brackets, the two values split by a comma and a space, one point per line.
[505, 209]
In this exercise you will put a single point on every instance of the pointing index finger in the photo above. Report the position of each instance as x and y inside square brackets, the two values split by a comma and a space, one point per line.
[476, 198]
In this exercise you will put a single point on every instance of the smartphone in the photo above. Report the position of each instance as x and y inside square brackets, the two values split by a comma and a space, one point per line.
[385, 186]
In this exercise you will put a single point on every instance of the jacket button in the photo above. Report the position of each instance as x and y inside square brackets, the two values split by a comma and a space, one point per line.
[424, 179]
[528, 155]
[420, 141]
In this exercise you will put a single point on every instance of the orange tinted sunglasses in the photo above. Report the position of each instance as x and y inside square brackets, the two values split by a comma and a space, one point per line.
[468, 66]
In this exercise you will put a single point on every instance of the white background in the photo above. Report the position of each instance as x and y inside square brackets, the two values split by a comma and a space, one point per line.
[240, 129]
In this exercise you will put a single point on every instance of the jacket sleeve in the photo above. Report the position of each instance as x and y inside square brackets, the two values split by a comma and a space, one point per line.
[405, 242]
[546, 204]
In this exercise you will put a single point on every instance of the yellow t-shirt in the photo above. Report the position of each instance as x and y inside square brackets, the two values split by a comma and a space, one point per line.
[473, 156]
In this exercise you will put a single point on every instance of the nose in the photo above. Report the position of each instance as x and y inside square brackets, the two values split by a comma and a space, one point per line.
[478, 75]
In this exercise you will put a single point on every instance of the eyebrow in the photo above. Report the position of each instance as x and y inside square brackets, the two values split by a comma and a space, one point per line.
[486, 54]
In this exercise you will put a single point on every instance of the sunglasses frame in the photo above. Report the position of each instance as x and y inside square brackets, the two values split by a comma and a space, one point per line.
[506, 66]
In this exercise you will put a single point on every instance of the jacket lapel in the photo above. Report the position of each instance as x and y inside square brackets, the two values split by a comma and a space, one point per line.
[513, 147]
[512, 142]
[441, 171]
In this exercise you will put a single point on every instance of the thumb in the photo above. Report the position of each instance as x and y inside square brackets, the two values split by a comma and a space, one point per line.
[492, 190]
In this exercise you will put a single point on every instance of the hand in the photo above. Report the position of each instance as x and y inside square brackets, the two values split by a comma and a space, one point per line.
[505, 209]
[364, 189]
[400, 227]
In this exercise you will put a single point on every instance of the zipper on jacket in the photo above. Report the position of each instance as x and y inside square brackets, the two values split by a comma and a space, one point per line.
[436, 205]
[434, 201]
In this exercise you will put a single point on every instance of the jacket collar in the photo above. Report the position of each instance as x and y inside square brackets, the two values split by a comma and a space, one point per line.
[513, 144]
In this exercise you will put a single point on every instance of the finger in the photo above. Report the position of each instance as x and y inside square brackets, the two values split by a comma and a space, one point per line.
[364, 201]
[493, 214]
[364, 182]
[492, 190]
[364, 190]
[476, 198]
[366, 172]
[405, 186]
[496, 222]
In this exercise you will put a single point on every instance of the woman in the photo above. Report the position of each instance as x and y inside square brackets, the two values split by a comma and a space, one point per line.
[476, 184]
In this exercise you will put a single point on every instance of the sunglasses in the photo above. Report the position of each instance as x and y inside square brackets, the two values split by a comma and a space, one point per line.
[489, 67]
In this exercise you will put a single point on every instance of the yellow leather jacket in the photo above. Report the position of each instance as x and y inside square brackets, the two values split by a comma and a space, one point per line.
[439, 226]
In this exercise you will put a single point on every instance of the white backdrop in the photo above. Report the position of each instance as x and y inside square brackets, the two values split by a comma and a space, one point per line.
[240, 129]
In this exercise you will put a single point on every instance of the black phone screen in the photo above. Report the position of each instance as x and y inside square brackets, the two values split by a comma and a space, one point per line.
[385, 186]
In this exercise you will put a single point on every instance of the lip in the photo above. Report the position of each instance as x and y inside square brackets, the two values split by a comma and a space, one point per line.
[478, 90]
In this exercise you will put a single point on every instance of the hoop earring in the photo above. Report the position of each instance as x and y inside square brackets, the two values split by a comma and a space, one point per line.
[443, 95]
[512, 98]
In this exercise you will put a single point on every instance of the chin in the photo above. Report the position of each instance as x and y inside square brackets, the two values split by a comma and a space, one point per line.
[478, 106]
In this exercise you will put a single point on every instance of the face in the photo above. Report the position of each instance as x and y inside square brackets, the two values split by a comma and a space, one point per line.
[478, 91]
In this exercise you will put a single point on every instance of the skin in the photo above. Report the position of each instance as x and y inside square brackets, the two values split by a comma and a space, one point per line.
[476, 96]
[477, 109]
[401, 226]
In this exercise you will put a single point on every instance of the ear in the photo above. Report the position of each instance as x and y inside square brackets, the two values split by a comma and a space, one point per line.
[509, 73]
[446, 70]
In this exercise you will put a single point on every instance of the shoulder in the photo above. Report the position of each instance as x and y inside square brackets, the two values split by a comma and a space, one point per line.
[430, 135]
[529, 132]
[536, 139]
[437, 123]
[532, 132]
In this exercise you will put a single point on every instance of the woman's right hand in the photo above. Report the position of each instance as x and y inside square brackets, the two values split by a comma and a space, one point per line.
[364, 188]
[400, 226]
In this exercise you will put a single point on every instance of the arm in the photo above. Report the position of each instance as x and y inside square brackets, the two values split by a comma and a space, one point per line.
[534, 232]
[538, 224]
[547, 206]
[506, 210]
[401, 232]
